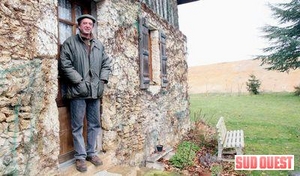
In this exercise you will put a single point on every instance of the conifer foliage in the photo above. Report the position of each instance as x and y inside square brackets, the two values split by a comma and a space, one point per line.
[253, 85]
[283, 53]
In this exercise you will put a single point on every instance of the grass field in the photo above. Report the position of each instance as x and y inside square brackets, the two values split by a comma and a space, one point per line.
[271, 122]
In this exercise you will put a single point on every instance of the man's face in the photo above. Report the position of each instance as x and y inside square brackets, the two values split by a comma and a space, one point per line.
[86, 26]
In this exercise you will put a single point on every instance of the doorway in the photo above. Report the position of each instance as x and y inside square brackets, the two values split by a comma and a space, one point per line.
[68, 12]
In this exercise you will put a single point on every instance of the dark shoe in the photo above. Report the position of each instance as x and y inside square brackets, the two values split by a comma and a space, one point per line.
[95, 160]
[80, 165]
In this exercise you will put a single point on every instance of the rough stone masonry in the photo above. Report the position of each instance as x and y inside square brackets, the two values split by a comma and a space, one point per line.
[133, 120]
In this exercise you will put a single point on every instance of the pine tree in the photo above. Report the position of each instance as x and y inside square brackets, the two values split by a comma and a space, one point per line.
[253, 85]
[283, 53]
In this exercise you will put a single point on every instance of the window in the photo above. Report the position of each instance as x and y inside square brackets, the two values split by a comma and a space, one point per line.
[68, 12]
[152, 55]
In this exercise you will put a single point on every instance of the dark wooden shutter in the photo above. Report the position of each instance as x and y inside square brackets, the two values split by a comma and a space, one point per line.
[163, 58]
[144, 53]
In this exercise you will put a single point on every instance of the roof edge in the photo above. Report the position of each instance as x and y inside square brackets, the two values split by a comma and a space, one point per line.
[179, 2]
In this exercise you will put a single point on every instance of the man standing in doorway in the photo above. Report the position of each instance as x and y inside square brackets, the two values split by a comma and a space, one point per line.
[86, 67]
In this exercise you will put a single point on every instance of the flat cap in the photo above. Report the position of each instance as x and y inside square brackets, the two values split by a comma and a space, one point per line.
[86, 16]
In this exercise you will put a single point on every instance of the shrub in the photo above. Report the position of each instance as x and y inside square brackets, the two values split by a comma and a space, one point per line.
[253, 85]
[185, 155]
[297, 90]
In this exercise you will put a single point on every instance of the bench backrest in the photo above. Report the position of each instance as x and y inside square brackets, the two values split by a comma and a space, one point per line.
[221, 129]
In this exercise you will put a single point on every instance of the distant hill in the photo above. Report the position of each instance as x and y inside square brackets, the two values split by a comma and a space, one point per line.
[231, 77]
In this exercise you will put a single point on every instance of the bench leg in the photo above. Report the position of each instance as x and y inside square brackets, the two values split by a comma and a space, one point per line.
[220, 151]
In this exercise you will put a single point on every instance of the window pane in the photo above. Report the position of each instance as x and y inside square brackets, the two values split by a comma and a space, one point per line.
[77, 11]
[65, 31]
[64, 10]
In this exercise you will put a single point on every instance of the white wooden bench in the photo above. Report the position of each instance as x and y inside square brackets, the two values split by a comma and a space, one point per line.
[229, 139]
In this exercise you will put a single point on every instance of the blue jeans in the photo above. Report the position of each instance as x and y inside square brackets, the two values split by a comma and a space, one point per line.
[78, 109]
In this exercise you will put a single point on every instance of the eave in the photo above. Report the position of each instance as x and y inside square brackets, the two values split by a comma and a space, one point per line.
[185, 1]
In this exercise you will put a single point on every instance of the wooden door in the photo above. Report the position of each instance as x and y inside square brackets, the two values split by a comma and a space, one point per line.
[68, 12]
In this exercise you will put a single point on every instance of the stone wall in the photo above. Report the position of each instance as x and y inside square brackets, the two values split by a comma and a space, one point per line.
[28, 86]
[133, 120]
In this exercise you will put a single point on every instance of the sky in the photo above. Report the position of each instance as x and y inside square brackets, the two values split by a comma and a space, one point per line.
[224, 30]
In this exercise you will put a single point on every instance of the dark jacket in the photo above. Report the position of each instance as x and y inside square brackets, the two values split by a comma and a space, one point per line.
[85, 72]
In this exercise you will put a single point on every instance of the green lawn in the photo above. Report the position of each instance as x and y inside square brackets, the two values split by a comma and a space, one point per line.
[271, 122]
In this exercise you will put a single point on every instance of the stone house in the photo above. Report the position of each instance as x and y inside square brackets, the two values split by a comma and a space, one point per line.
[145, 102]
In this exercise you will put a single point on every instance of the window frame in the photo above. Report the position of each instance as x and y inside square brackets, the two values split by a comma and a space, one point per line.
[152, 56]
